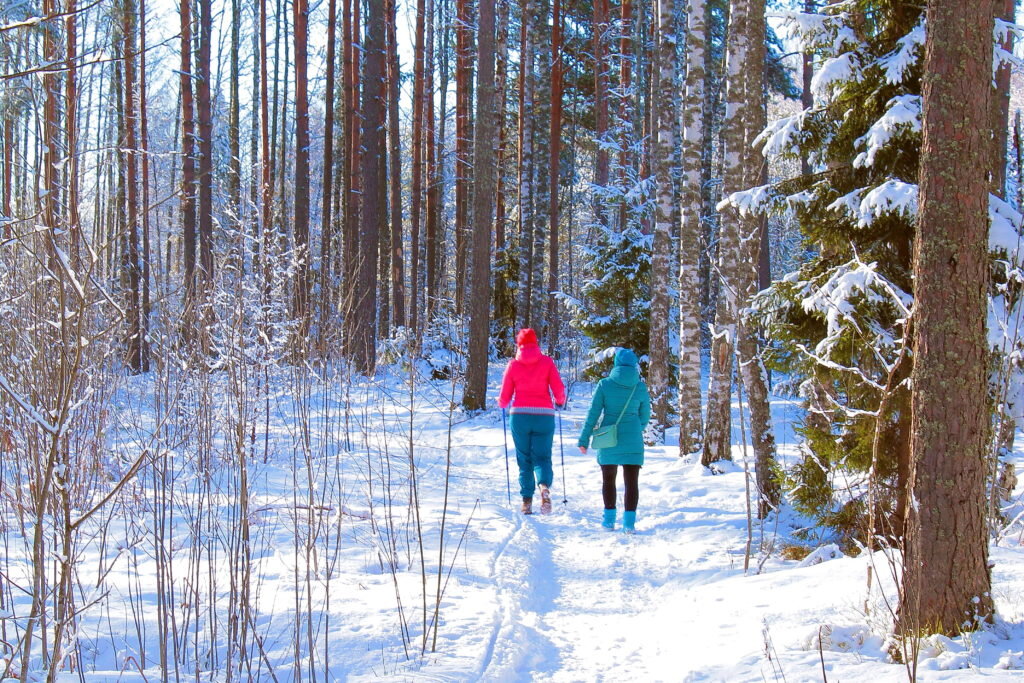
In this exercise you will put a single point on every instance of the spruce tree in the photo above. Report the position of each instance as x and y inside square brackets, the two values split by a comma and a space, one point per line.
[838, 322]
[616, 309]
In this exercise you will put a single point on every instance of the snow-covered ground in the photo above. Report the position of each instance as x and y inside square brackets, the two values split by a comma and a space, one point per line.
[550, 597]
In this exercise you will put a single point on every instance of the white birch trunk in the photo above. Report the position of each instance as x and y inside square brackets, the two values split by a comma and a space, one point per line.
[662, 275]
[719, 420]
[691, 433]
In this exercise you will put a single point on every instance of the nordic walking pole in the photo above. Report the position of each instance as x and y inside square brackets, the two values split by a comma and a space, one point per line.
[508, 480]
[561, 447]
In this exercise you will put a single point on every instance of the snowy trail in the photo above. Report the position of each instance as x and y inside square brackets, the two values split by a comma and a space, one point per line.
[575, 602]
[556, 597]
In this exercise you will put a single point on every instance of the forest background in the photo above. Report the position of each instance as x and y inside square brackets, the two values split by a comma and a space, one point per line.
[216, 196]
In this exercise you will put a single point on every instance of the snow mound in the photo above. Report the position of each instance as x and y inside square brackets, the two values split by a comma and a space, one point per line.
[833, 638]
[822, 554]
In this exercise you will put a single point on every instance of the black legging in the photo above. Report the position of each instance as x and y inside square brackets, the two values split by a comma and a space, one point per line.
[630, 476]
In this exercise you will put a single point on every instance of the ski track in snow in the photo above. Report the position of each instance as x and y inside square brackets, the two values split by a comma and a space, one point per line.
[574, 601]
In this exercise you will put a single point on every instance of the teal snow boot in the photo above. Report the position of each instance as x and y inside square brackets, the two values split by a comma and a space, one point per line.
[629, 521]
[608, 522]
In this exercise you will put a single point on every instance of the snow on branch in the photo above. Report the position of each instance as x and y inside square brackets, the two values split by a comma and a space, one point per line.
[834, 71]
[1004, 235]
[902, 113]
[898, 63]
[752, 202]
[835, 298]
[892, 196]
[781, 136]
[1001, 33]
[29, 409]
[830, 33]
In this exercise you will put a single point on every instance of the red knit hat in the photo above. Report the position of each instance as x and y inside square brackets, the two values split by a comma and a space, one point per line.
[526, 336]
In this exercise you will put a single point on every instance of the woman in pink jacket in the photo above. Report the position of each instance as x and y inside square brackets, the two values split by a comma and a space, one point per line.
[530, 380]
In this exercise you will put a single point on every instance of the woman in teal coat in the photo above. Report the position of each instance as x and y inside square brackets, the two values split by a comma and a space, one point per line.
[621, 393]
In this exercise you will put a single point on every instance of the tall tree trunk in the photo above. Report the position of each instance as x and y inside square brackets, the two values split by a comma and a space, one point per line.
[463, 142]
[554, 173]
[300, 306]
[475, 396]
[266, 201]
[807, 76]
[602, 161]
[372, 211]
[662, 271]
[626, 95]
[1001, 104]
[395, 170]
[419, 104]
[541, 139]
[751, 369]
[432, 159]
[719, 420]
[70, 134]
[204, 104]
[234, 132]
[503, 303]
[946, 580]
[327, 198]
[129, 148]
[435, 208]
[50, 193]
[349, 224]
[691, 433]
[144, 149]
[354, 168]
[188, 141]
[526, 189]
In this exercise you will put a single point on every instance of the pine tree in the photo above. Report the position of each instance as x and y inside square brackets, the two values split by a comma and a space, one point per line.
[946, 576]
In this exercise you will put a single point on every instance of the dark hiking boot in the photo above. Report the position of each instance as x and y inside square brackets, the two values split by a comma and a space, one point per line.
[545, 500]
[527, 506]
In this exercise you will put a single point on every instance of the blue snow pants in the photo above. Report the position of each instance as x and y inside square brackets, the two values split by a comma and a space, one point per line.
[533, 435]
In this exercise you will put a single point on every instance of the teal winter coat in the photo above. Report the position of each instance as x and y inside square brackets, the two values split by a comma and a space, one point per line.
[609, 398]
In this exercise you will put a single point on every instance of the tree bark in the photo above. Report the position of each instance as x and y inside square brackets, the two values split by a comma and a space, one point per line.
[327, 199]
[146, 302]
[718, 436]
[70, 133]
[300, 305]
[463, 141]
[602, 161]
[204, 104]
[946, 581]
[129, 159]
[188, 182]
[484, 155]
[432, 159]
[395, 171]
[372, 212]
[691, 433]
[751, 369]
[1005, 10]
[662, 272]
[266, 202]
[526, 189]
[419, 102]
[554, 174]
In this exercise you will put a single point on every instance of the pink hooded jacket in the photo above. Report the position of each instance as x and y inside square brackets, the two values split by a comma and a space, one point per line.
[532, 377]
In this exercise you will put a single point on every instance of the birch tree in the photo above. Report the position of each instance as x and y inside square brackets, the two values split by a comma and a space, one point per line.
[663, 275]
[719, 417]
[691, 431]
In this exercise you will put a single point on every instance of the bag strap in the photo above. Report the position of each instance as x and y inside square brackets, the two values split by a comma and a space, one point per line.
[624, 405]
